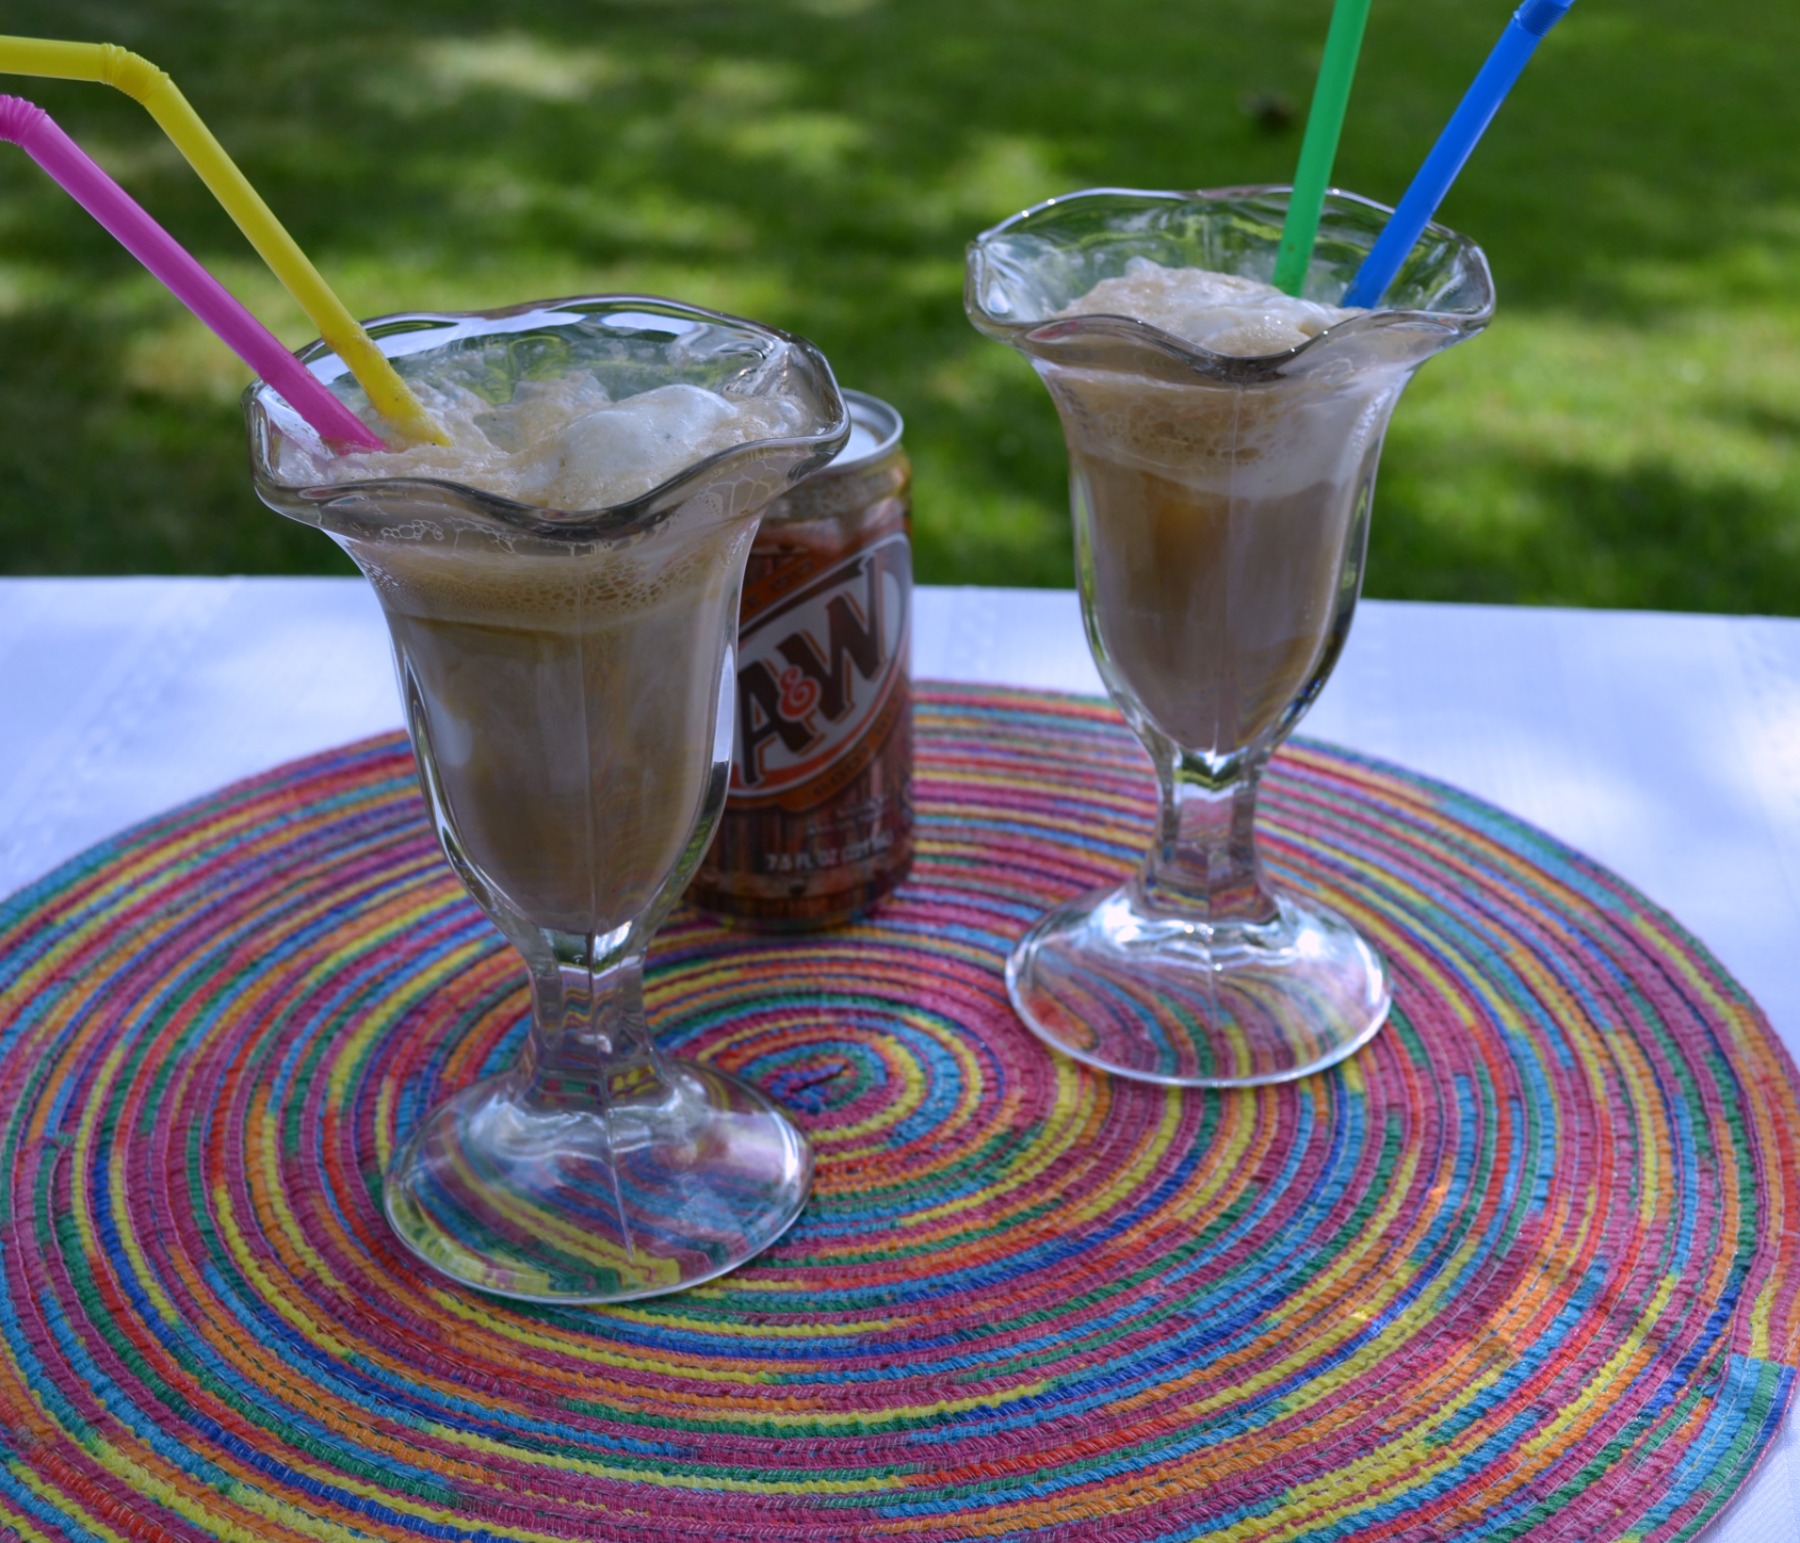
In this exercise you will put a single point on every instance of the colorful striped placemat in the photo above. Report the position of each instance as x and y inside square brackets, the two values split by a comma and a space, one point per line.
[1525, 1268]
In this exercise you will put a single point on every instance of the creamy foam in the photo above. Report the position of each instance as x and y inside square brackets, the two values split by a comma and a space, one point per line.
[1267, 440]
[562, 443]
[464, 573]
[1222, 312]
[1252, 440]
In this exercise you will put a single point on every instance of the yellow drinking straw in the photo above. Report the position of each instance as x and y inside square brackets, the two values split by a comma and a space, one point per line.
[141, 80]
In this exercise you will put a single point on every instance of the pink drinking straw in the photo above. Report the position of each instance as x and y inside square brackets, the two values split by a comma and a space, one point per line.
[31, 129]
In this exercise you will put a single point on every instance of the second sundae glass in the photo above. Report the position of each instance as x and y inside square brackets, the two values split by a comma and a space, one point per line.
[1221, 509]
[567, 680]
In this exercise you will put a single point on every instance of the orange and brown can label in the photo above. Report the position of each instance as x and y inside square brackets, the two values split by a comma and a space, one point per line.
[818, 824]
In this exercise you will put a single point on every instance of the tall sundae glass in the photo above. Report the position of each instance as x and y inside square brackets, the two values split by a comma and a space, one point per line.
[1221, 500]
[563, 618]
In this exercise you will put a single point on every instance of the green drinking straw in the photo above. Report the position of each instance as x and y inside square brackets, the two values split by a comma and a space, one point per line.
[1318, 149]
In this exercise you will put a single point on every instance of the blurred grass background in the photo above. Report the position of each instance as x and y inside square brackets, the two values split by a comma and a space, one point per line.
[1623, 436]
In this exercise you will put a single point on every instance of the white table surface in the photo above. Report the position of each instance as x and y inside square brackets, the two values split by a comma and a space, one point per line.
[1666, 747]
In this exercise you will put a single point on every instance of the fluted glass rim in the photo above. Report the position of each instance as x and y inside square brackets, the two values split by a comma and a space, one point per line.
[1048, 335]
[629, 516]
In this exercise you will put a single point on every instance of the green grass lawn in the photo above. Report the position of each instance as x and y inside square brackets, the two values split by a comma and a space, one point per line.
[1623, 435]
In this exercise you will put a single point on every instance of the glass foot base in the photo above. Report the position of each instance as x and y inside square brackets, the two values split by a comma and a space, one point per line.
[680, 1178]
[1163, 999]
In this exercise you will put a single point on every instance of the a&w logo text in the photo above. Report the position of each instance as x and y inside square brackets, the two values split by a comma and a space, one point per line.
[815, 668]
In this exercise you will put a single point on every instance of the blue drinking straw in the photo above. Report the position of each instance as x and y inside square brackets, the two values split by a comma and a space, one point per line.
[1467, 124]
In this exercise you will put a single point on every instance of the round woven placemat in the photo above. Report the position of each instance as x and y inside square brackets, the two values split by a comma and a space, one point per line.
[1524, 1268]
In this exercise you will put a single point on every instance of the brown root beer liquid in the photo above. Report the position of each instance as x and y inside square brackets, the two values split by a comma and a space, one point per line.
[818, 826]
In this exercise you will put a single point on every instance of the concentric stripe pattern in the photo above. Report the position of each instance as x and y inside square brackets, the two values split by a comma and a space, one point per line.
[1525, 1268]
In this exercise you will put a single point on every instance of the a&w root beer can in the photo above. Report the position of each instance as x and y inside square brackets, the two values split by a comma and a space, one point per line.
[818, 826]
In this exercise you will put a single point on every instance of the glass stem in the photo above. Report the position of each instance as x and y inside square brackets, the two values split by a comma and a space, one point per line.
[1203, 864]
[589, 1040]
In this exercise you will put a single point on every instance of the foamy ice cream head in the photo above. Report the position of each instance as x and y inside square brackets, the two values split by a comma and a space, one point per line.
[1263, 439]
[1234, 394]
[1223, 312]
[565, 443]
[567, 408]
[1170, 288]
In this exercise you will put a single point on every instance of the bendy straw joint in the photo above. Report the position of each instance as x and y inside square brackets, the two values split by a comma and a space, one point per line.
[131, 73]
[18, 118]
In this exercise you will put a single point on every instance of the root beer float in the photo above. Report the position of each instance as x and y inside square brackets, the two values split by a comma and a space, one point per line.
[560, 580]
[1223, 438]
